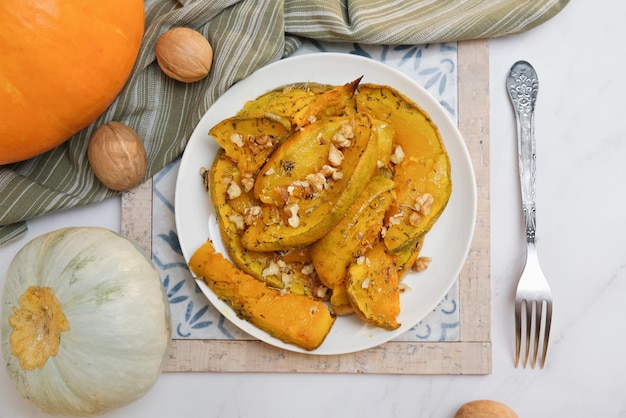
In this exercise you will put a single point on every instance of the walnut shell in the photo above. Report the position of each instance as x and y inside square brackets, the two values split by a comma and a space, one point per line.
[485, 409]
[184, 54]
[117, 156]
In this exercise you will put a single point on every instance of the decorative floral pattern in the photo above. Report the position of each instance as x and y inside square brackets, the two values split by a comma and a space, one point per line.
[434, 67]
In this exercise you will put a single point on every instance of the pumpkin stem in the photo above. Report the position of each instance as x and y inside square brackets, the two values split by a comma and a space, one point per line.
[37, 327]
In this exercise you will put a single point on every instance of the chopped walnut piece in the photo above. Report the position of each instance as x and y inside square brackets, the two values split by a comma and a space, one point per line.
[317, 180]
[327, 170]
[423, 203]
[343, 136]
[292, 212]
[259, 143]
[415, 218]
[252, 214]
[321, 292]
[421, 263]
[398, 155]
[335, 156]
[247, 181]
[271, 270]
[238, 220]
[396, 219]
[233, 191]
[308, 269]
[237, 139]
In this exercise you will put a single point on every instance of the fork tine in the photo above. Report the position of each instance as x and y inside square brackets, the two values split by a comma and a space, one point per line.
[528, 305]
[538, 304]
[518, 331]
[546, 335]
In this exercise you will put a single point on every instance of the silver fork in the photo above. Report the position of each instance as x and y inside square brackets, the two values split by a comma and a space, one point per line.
[533, 298]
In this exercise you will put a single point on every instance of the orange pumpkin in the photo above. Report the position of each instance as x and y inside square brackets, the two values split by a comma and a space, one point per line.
[62, 63]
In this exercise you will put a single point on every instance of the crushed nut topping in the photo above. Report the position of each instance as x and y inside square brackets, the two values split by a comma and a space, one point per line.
[396, 219]
[317, 180]
[271, 270]
[253, 213]
[237, 139]
[321, 292]
[238, 220]
[259, 143]
[415, 218]
[292, 212]
[247, 182]
[363, 260]
[423, 204]
[398, 155]
[233, 191]
[343, 136]
[335, 156]
[308, 269]
[421, 263]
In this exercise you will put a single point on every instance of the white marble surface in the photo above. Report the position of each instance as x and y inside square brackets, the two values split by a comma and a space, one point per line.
[582, 243]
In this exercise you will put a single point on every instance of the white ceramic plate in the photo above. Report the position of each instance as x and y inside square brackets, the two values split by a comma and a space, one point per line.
[447, 243]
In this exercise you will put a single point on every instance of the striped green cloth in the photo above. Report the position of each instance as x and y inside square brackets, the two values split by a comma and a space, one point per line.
[245, 35]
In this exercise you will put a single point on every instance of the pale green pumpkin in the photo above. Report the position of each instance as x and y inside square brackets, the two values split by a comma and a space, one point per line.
[85, 322]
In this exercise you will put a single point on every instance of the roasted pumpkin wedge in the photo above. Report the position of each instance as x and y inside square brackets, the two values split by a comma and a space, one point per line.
[314, 178]
[293, 319]
[248, 141]
[422, 167]
[357, 231]
[422, 189]
[291, 270]
[282, 104]
[330, 103]
[373, 288]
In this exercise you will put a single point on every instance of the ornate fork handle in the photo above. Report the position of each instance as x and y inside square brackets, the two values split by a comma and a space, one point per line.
[523, 85]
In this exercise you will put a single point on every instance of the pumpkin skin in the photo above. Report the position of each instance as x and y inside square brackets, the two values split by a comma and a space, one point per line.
[63, 63]
[119, 329]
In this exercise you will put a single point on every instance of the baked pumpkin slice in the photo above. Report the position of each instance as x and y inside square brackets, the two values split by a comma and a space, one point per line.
[330, 103]
[373, 288]
[249, 141]
[422, 171]
[354, 234]
[281, 104]
[293, 319]
[313, 178]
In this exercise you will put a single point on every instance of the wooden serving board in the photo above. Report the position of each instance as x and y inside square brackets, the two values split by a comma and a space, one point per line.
[471, 354]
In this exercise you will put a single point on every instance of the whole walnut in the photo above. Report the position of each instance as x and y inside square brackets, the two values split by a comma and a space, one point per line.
[485, 409]
[117, 156]
[184, 54]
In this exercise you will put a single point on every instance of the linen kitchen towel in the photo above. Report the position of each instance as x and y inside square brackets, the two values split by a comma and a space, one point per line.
[245, 35]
